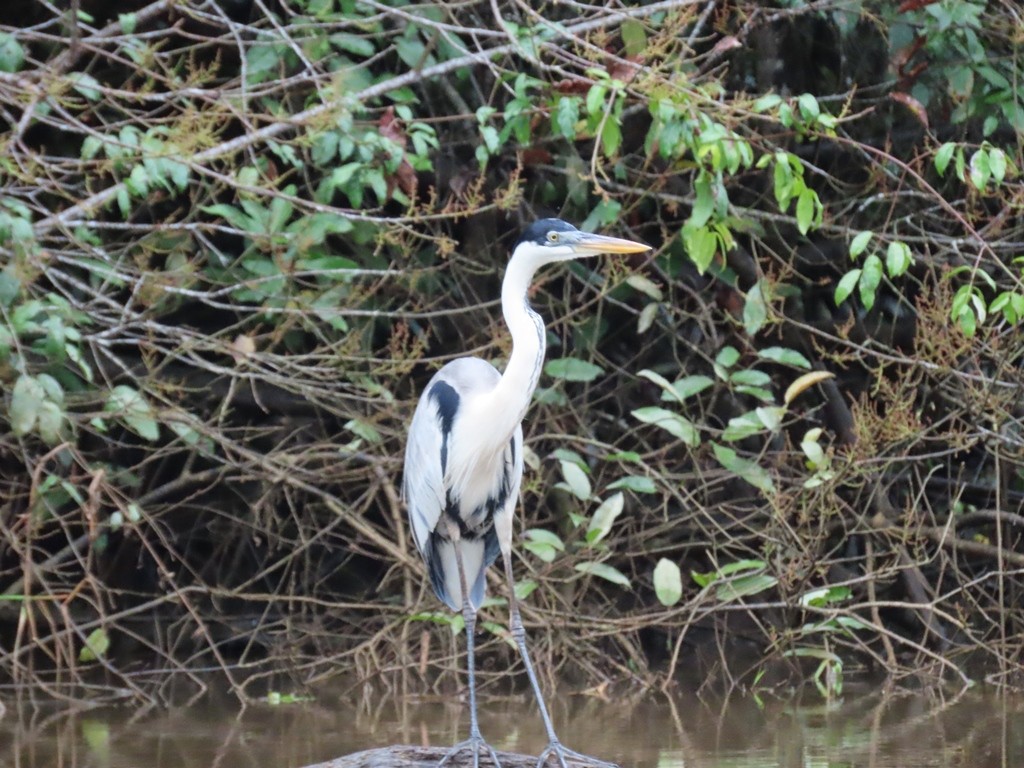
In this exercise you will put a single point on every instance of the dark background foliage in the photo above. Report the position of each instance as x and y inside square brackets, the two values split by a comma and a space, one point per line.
[237, 238]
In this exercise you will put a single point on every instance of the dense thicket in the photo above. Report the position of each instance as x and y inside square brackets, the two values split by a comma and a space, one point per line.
[238, 236]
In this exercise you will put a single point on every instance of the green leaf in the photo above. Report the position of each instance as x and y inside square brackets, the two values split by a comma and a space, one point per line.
[124, 201]
[703, 202]
[688, 386]
[959, 163]
[942, 157]
[701, 244]
[749, 471]
[745, 586]
[543, 551]
[671, 422]
[96, 645]
[342, 175]
[133, 409]
[603, 517]
[12, 55]
[435, 617]
[10, 287]
[668, 582]
[1011, 304]
[631, 456]
[567, 114]
[806, 205]
[980, 169]
[739, 566]
[234, 216]
[727, 357]
[27, 398]
[771, 416]
[611, 137]
[809, 108]
[490, 137]
[960, 81]
[525, 588]
[544, 536]
[860, 243]
[87, 85]
[755, 309]
[634, 483]
[783, 181]
[870, 277]
[179, 174]
[997, 164]
[128, 22]
[595, 98]
[742, 426]
[576, 480]
[646, 318]
[703, 579]
[898, 258]
[572, 369]
[280, 212]
[634, 37]
[645, 285]
[51, 419]
[6, 342]
[784, 356]
[357, 46]
[767, 102]
[661, 381]
[812, 449]
[819, 598]
[324, 148]
[968, 322]
[364, 430]
[544, 544]
[565, 454]
[750, 377]
[604, 571]
[411, 49]
[846, 285]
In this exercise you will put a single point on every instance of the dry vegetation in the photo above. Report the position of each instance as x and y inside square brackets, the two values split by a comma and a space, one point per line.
[237, 236]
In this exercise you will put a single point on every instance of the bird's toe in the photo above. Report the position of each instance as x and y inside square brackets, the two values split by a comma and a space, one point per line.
[475, 744]
[564, 755]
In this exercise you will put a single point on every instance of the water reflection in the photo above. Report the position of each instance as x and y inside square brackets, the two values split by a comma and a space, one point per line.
[866, 728]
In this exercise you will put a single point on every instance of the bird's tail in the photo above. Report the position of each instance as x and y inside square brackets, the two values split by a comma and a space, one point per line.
[444, 570]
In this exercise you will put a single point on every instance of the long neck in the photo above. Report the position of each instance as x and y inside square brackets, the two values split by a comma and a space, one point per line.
[511, 397]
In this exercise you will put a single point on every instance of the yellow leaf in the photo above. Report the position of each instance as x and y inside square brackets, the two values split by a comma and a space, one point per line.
[805, 382]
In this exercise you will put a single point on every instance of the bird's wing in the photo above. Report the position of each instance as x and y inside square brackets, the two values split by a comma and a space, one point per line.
[423, 478]
[443, 471]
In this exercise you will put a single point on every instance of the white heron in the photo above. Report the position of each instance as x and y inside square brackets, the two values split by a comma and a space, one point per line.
[464, 458]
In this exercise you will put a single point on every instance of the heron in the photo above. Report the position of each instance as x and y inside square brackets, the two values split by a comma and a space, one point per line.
[464, 460]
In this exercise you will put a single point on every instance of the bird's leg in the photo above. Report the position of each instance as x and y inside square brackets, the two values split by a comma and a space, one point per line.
[554, 747]
[475, 740]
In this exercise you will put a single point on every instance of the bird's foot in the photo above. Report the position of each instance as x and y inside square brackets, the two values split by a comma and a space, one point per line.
[474, 743]
[564, 753]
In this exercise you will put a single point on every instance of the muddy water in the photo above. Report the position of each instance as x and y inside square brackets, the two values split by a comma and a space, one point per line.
[976, 729]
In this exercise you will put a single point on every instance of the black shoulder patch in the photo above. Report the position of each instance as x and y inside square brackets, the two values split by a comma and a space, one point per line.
[447, 400]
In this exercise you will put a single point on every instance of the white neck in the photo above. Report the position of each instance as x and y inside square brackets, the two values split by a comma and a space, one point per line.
[508, 402]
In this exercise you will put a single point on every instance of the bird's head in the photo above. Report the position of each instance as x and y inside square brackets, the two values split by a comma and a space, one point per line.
[549, 240]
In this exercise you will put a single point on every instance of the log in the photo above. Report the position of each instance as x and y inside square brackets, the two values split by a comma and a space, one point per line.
[407, 756]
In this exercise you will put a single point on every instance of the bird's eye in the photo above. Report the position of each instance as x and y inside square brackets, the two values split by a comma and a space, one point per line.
[552, 237]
